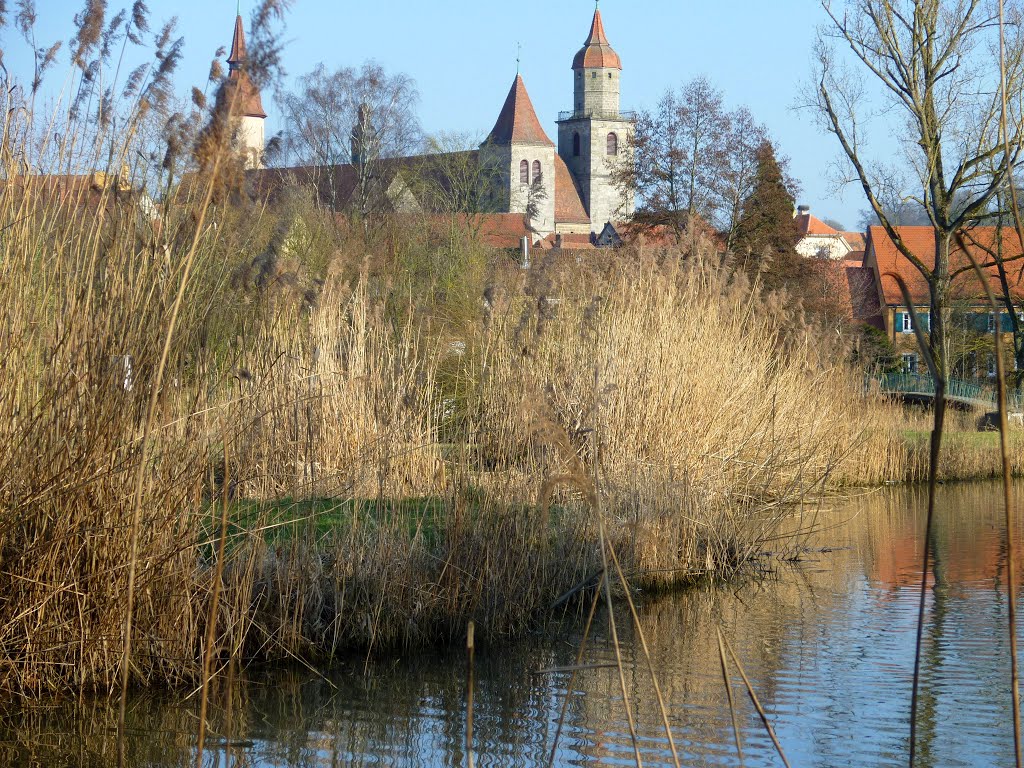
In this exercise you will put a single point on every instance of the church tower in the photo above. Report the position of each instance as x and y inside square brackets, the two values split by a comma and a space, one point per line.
[595, 136]
[251, 136]
[521, 161]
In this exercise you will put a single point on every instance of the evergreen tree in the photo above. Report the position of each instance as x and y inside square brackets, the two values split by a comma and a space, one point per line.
[766, 235]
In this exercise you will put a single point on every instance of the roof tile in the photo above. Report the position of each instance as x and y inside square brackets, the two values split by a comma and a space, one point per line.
[597, 52]
[517, 123]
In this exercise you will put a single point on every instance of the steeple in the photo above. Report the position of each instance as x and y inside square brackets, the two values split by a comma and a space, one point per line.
[517, 122]
[597, 52]
[237, 46]
[252, 103]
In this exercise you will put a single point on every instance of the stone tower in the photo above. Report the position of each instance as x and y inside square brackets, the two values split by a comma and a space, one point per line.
[250, 138]
[596, 135]
[521, 160]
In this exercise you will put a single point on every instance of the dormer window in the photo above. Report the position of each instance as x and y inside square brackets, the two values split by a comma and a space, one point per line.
[613, 144]
[524, 172]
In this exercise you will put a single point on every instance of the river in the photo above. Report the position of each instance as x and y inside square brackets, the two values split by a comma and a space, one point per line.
[827, 641]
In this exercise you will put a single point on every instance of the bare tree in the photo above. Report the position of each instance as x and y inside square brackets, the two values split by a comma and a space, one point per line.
[450, 180]
[357, 117]
[678, 154]
[928, 67]
[691, 158]
[738, 171]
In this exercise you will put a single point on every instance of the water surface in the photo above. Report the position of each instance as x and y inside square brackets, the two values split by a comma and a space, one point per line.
[827, 642]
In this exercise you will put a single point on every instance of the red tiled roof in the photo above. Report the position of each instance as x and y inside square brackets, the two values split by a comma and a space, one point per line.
[568, 201]
[807, 224]
[921, 242]
[597, 51]
[517, 123]
[577, 242]
[855, 239]
[251, 102]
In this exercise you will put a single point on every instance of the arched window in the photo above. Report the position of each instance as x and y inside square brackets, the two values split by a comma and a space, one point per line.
[613, 144]
[536, 171]
[524, 172]
[575, 145]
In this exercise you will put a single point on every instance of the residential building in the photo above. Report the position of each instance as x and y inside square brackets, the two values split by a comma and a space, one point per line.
[971, 315]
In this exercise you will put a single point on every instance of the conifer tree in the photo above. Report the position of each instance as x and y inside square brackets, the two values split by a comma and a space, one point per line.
[767, 223]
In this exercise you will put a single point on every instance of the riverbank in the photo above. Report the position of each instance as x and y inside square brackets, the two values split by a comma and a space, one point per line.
[667, 402]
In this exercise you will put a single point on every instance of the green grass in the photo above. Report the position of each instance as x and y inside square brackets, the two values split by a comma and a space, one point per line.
[283, 519]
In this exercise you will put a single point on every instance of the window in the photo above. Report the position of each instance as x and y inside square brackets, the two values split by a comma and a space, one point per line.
[991, 366]
[575, 145]
[524, 172]
[593, 76]
[613, 144]
[536, 171]
[991, 323]
[910, 362]
[908, 323]
[609, 75]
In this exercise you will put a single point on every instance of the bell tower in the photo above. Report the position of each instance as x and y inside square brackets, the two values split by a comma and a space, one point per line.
[595, 135]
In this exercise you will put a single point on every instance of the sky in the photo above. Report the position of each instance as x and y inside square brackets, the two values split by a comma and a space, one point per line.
[462, 54]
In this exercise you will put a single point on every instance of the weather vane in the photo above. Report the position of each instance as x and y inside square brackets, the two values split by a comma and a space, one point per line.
[519, 55]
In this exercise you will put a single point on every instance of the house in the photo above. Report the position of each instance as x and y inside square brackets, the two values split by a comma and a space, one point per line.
[820, 241]
[972, 316]
[563, 190]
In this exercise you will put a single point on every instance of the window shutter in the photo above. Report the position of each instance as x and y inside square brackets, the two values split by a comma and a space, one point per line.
[899, 322]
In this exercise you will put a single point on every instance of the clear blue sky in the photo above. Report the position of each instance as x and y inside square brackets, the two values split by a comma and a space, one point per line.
[462, 54]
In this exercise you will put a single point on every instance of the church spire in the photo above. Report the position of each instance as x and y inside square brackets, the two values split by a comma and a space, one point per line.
[237, 45]
[517, 122]
[597, 52]
[252, 103]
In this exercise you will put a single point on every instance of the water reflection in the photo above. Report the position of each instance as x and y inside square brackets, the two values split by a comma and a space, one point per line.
[827, 642]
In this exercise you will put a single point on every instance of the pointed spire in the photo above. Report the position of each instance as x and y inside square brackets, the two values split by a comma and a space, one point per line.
[252, 103]
[597, 52]
[517, 123]
[237, 45]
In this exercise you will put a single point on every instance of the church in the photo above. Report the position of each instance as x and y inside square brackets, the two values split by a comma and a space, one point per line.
[560, 191]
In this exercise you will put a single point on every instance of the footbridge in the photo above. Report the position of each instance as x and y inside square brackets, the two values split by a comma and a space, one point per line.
[920, 387]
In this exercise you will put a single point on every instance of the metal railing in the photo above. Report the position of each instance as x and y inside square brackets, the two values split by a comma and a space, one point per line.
[597, 114]
[956, 389]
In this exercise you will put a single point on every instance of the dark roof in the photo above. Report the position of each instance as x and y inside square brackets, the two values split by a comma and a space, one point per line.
[597, 51]
[517, 123]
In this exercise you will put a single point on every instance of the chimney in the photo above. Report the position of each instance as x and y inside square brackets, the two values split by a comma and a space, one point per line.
[802, 210]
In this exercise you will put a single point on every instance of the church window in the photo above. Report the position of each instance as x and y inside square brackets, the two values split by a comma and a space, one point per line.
[613, 144]
[594, 75]
[536, 171]
[524, 172]
[575, 145]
